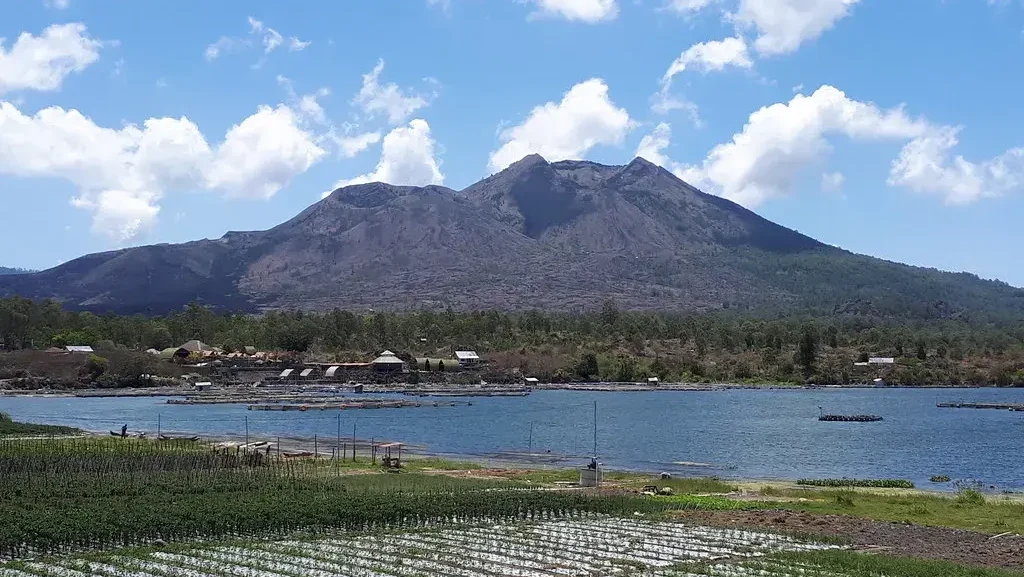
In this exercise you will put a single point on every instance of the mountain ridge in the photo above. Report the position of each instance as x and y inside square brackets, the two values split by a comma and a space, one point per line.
[555, 235]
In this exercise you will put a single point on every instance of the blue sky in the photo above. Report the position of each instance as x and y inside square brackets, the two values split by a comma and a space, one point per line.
[888, 128]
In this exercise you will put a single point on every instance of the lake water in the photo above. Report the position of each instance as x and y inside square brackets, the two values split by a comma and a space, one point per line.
[756, 434]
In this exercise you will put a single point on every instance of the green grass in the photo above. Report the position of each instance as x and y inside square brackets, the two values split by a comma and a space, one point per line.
[960, 512]
[850, 564]
[10, 427]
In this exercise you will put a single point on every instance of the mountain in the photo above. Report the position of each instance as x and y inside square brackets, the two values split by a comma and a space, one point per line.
[6, 271]
[553, 235]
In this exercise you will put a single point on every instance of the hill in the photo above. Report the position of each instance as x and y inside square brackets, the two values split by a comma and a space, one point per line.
[561, 236]
[6, 271]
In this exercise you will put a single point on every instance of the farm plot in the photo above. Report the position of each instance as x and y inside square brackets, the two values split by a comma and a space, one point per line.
[589, 546]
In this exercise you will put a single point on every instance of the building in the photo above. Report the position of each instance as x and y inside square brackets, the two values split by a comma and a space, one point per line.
[174, 354]
[197, 346]
[881, 361]
[387, 362]
[531, 381]
[652, 380]
[467, 358]
[78, 349]
[203, 386]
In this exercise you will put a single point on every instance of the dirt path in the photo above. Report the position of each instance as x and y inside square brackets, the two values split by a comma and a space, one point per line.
[957, 545]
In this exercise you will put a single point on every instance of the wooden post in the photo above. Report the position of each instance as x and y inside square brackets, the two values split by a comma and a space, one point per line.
[279, 447]
[247, 429]
[353, 441]
[315, 448]
[373, 451]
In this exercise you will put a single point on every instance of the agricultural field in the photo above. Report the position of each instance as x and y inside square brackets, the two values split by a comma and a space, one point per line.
[581, 545]
[117, 507]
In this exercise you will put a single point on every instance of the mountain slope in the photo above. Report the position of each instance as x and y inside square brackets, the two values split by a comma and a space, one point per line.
[557, 235]
[6, 271]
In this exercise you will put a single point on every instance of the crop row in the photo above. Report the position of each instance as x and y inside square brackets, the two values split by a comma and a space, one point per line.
[874, 483]
[578, 547]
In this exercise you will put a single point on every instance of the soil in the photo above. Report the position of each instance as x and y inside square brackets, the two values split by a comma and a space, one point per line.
[901, 540]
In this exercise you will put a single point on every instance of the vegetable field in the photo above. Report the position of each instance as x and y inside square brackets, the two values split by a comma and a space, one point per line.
[108, 493]
[586, 546]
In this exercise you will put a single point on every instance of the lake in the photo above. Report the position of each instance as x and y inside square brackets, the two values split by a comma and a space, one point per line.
[750, 434]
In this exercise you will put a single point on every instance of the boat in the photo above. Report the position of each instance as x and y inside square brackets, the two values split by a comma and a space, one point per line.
[169, 438]
[132, 435]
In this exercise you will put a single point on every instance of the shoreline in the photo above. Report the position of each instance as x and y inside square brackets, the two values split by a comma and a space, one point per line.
[507, 461]
[468, 392]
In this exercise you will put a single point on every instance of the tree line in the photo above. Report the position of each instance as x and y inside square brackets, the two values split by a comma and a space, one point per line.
[780, 341]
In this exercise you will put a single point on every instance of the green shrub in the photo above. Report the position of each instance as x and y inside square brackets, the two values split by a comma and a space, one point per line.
[940, 478]
[873, 483]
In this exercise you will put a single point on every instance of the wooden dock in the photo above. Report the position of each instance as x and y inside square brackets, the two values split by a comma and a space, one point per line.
[997, 406]
[850, 418]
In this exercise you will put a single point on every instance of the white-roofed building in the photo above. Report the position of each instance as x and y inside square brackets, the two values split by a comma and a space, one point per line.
[467, 358]
[387, 361]
[78, 349]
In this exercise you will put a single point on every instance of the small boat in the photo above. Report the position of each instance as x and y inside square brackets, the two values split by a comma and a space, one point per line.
[132, 435]
[169, 438]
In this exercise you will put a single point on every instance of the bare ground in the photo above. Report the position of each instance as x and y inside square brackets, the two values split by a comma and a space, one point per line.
[903, 540]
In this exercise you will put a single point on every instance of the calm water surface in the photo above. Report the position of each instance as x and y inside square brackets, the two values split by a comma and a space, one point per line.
[740, 433]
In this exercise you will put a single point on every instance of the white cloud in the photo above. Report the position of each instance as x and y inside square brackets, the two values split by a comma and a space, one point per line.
[223, 44]
[269, 37]
[407, 158]
[585, 118]
[349, 146]
[688, 6]
[711, 56]
[43, 62]
[589, 11]
[266, 36]
[832, 181]
[652, 145]
[783, 25]
[764, 159]
[261, 154]
[924, 165]
[714, 55]
[57, 4]
[374, 98]
[296, 45]
[122, 173]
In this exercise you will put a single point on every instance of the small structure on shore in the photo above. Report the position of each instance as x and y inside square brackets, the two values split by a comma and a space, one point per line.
[467, 358]
[78, 349]
[387, 362]
[174, 354]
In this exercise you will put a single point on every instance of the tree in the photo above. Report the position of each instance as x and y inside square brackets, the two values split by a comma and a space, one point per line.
[807, 351]
[95, 366]
[832, 334]
[609, 312]
[922, 349]
[426, 364]
[440, 366]
[587, 367]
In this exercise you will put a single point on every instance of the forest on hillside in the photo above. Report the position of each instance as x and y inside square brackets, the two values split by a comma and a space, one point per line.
[610, 344]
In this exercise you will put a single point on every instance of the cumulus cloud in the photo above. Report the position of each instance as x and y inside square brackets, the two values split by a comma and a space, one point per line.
[589, 11]
[43, 62]
[408, 157]
[926, 165]
[260, 33]
[57, 4]
[374, 98]
[583, 119]
[782, 26]
[765, 159]
[122, 173]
